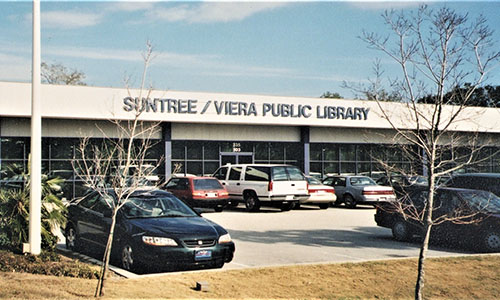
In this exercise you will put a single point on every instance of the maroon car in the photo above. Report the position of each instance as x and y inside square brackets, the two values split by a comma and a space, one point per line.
[206, 192]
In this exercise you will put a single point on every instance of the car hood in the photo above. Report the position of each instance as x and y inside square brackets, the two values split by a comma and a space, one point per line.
[174, 226]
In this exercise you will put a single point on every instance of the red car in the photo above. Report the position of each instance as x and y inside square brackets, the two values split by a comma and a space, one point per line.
[206, 192]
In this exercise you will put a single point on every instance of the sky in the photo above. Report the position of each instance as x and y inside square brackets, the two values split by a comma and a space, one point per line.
[267, 48]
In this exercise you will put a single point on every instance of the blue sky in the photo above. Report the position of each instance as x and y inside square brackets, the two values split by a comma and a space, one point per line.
[273, 48]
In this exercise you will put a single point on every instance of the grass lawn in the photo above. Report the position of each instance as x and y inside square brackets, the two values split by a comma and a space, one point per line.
[475, 277]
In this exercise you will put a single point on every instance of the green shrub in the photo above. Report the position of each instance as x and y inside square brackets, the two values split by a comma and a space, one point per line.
[47, 263]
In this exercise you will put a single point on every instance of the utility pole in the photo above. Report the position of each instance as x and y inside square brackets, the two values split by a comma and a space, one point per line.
[35, 237]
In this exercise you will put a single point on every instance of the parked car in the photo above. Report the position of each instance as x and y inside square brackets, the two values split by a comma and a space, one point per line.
[402, 184]
[481, 228]
[196, 191]
[353, 190]
[154, 231]
[480, 181]
[256, 185]
[319, 194]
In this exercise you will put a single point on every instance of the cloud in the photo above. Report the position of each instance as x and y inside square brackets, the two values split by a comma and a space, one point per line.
[207, 63]
[130, 6]
[383, 5]
[212, 12]
[69, 19]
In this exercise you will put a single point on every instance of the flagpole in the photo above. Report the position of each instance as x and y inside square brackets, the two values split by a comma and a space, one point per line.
[35, 239]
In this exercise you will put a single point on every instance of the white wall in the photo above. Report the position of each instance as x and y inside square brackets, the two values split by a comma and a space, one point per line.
[95, 103]
[63, 128]
[214, 132]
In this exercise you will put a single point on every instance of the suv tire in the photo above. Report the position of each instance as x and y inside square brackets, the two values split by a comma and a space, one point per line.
[252, 202]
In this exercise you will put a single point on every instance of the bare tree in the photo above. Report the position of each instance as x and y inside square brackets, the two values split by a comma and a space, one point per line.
[374, 89]
[436, 50]
[59, 74]
[117, 167]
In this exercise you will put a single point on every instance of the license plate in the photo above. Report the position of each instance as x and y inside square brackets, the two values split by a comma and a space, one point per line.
[289, 197]
[213, 195]
[202, 254]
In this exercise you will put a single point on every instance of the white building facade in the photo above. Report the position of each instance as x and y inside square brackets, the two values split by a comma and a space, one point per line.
[198, 132]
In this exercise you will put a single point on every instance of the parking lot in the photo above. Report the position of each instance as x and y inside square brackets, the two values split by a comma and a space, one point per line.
[311, 235]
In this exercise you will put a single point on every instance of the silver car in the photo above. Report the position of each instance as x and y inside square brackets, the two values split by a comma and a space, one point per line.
[353, 190]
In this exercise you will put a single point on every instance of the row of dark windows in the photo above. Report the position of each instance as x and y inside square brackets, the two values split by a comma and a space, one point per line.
[203, 157]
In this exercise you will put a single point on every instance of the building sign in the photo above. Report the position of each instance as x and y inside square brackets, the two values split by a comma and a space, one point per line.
[239, 108]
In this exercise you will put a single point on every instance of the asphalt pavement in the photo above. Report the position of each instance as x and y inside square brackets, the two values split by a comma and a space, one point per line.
[311, 235]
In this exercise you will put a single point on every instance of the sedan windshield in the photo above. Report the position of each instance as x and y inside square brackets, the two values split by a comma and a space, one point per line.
[206, 184]
[156, 206]
[359, 181]
[482, 200]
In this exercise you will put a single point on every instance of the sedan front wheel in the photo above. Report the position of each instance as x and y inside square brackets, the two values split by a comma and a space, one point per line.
[127, 258]
[72, 240]
[401, 231]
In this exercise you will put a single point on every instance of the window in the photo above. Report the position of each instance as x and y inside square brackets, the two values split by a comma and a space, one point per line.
[328, 181]
[183, 184]
[91, 202]
[339, 181]
[358, 181]
[172, 184]
[294, 173]
[235, 173]
[221, 173]
[279, 174]
[257, 173]
[207, 184]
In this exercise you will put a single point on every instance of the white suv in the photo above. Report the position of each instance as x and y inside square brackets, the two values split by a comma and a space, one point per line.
[258, 184]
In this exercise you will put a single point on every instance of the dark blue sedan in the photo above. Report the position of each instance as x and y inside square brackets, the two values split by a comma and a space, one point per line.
[154, 231]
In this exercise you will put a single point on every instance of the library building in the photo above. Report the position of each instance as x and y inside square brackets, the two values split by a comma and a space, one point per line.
[196, 132]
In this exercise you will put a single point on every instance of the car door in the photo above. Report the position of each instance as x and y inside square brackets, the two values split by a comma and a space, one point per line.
[95, 219]
[339, 183]
[447, 205]
[233, 182]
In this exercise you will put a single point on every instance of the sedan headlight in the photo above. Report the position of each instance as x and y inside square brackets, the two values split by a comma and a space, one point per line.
[226, 238]
[158, 241]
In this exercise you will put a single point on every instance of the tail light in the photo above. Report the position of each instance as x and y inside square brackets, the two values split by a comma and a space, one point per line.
[270, 186]
[223, 193]
[198, 194]
[377, 193]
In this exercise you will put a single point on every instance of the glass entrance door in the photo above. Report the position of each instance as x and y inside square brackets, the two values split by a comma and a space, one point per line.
[235, 158]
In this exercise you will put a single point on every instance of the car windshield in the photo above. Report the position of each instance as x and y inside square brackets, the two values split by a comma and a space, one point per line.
[482, 200]
[314, 181]
[206, 184]
[418, 180]
[155, 206]
[359, 181]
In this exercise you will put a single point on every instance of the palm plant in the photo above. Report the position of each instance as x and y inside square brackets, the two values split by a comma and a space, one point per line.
[14, 211]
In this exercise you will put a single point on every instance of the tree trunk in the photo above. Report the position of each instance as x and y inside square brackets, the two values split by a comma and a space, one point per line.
[99, 292]
[427, 221]
[421, 263]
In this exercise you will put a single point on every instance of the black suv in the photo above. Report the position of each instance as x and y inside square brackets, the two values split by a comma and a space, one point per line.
[481, 228]
[480, 181]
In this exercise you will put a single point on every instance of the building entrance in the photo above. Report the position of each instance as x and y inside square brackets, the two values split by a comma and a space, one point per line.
[236, 158]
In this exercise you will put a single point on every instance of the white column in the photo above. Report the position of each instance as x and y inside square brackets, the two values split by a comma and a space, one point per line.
[35, 238]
